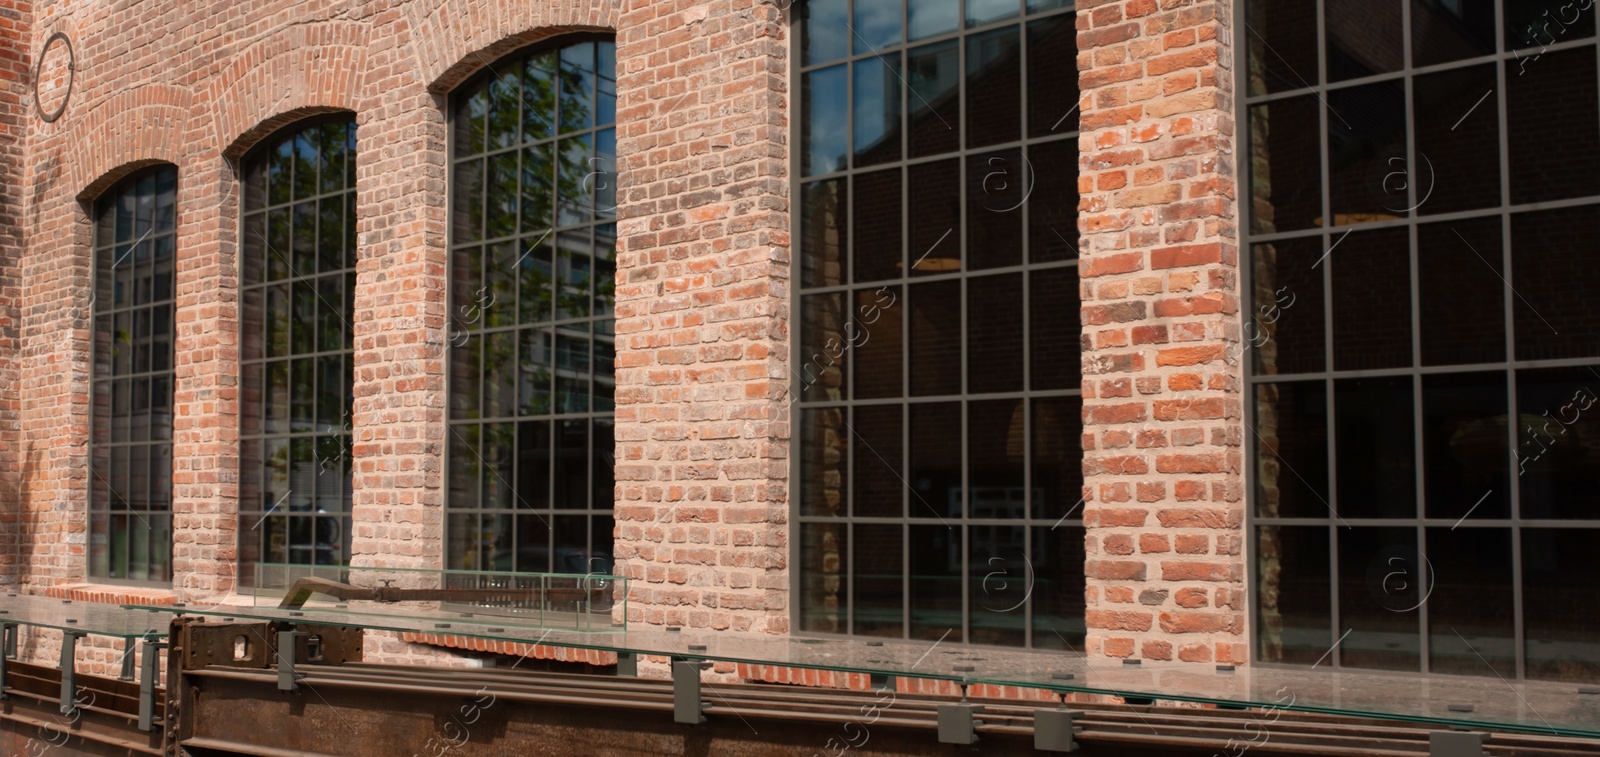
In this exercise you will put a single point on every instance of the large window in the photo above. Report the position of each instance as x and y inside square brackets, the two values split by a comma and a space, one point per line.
[938, 462]
[532, 286]
[298, 277]
[130, 446]
[1424, 352]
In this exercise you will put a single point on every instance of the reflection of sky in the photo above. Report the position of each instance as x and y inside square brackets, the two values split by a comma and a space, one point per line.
[930, 17]
[827, 135]
[827, 30]
[877, 24]
[984, 11]
[877, 110]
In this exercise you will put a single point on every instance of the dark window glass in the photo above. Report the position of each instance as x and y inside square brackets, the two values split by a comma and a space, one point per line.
[1366, 146]
[1464, 446]
[130, 443]
[1553, 125]
[827, 30]
[1463, 290]
[1364, 37]
[294, 493]
[1538, 24]
[1377, 468]
[937, 370]
[1458, 351]
[1456, 141]
[1557, 457]
[1289, 61]
[1552, 279]
[1561, 603]
[1470, 606]
[1293, 604]
[1448, 30]
[1285, 177]
[1381, 592]
[1291, 436]
[530, 344]
[1371, 300]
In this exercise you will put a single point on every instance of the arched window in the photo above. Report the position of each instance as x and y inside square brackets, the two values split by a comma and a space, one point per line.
[130, 447]
[298, 242]
[532, 269]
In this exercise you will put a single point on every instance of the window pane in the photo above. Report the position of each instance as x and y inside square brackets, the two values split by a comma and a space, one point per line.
[1539, 23]
[1290, 60]
[822, 566]
[934, 362]
[929, 18]
[937, 555]
[994, 353]
[1294, 602]
[827, 30]
[1286, 180]
[877, 24]
[823, 233]
[994, 84]
[1371, 300]
[1557, 88]
[997, 187]
[933, 73]
[876, 207]
[1561, 603]
[1363, 155]
[1381, 589]
[1463, 290]
[1054, 328]
[1053, 76]
[877, 110]
[879, 481]
[824, 136]
[1464, 446]
[823, 461]
[1555, 457]
[1291, 437]
[1377, 457]
[998, 589]
[1551, 265]
[1470, 606]
[879, 353]
[1363, 38]
[935, 229]
[935, 461]
[878, 591]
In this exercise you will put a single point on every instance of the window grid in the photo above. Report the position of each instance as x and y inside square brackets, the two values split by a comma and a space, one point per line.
[130, 449]
[1431, 645]
[984, 583]
[298, 238]
[531, 339]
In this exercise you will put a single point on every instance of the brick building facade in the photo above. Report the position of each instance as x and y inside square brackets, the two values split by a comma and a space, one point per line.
[709, 368]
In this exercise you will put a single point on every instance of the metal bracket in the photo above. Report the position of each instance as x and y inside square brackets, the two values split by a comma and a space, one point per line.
[128, 643]
[286, 675]
[628, 664]
[69, 674]
[1456, 743]
[686, 705]
[8, 640]
[956, 723]
[149, 665]
[1053, 730]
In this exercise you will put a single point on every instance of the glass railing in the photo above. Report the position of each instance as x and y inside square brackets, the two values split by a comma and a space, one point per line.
[592, 603]
[1449, 701]
[91, 618]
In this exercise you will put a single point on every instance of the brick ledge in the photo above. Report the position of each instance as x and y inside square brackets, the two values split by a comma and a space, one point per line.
[112, 594]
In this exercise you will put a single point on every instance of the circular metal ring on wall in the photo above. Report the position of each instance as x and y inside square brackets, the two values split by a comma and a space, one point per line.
[39, 68]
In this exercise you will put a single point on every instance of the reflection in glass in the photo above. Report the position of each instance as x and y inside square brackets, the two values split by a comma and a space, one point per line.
[130, 452]
[1295, 597]
[530, 341]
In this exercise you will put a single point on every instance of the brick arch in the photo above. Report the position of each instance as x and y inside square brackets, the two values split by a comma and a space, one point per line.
[458, 37]
[128, 131]
[296, 72]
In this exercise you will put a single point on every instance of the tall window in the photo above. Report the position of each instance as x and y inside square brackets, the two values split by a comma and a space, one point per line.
[532, 286]
[298, 277]
[130, 446]
[1424, 345]
[939, 466]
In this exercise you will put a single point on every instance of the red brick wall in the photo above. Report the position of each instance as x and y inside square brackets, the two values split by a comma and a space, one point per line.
[16, 56]
[1162, 414]
[703, 270]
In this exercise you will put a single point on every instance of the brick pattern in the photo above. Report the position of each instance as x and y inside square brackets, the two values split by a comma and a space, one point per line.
[702, 343]
[16, 59]
[1159, 272]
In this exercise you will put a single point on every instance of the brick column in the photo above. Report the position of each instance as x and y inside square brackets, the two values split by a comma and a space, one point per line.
[702, 300]
[15, 61]
[1163, 430]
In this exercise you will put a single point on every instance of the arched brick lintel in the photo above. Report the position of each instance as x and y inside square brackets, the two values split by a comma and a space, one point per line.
[127, 132]
[300, 71]
[457, 38]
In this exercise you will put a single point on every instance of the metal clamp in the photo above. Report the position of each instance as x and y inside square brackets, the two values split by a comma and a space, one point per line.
[286, 675]
[957, 724]
[8, 650]
[69, 675]
[627, 664]
[1456, 743]
[686, 705]
[149, 666]
[1053, 730]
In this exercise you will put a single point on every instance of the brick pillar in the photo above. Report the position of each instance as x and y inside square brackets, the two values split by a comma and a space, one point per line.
[15, 72]
[702, 301]
[1163, 430]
